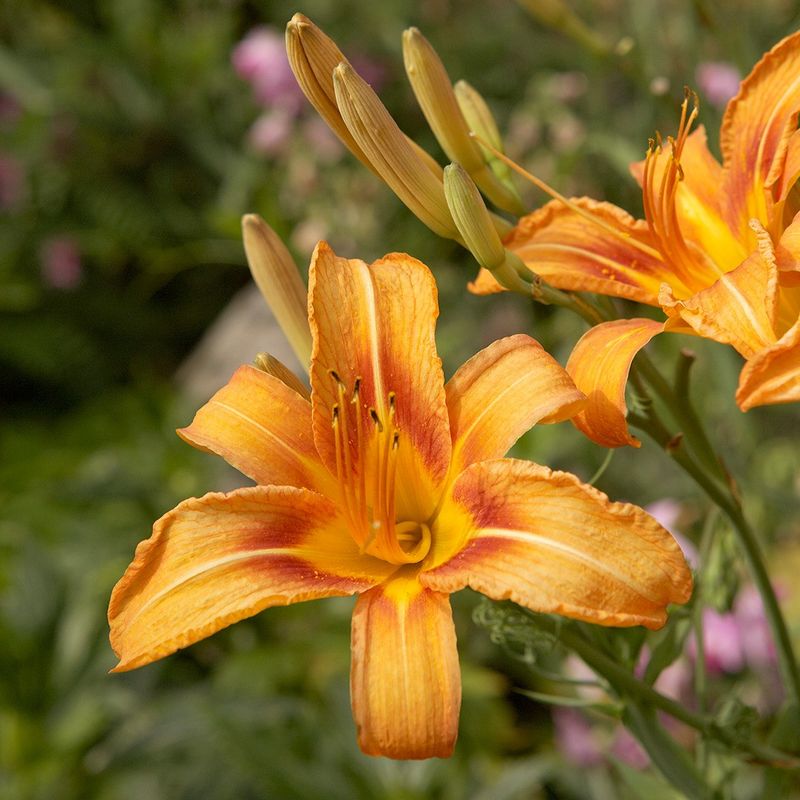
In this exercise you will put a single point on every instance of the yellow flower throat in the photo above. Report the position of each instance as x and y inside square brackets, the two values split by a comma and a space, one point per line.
[366, 471]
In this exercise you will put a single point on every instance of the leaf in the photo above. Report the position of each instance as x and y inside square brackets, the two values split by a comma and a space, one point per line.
[608, 709]
[671, 642]
[645, 785]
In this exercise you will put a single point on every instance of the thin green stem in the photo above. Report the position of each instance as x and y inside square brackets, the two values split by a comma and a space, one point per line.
[721, 494]
[628, 685]
[665, 753]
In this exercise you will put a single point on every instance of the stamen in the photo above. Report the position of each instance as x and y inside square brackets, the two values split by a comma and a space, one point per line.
[582, 212]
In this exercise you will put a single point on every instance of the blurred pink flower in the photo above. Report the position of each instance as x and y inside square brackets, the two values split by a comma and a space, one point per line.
[718, 81]
[758, 646]
[323, 141]
[722, 643]
[737, 639]
[271, 132]
[576, 738]
[667, 512]
[260, 58]
[61, 262]
[10, 110]
[12, 182]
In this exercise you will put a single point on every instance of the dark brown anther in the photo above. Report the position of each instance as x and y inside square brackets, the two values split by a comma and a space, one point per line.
[376, 419]
[396, 440]
[356, 388]
[335, 375]
[335, 414]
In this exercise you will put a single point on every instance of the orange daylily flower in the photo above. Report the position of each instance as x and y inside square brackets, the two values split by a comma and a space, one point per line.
[390, 484]
[718, 251]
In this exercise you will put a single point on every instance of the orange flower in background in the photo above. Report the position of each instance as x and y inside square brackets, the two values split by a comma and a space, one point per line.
[718, 251]
[390, 484]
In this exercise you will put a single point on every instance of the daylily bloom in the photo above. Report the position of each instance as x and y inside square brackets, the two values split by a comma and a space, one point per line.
[389, 484]
[718, 251]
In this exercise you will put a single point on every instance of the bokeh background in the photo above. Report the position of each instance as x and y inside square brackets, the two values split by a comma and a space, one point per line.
[133, 136]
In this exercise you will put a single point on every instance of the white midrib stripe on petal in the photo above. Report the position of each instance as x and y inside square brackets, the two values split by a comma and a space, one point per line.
[537, 540]
[210, 566]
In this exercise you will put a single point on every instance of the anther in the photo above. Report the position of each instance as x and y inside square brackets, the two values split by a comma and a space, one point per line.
[335, 413]
[376, 419]
[396, 440]
[335, 376]
[356, 388]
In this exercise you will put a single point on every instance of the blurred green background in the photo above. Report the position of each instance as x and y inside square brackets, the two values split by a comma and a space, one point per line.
[128, 154]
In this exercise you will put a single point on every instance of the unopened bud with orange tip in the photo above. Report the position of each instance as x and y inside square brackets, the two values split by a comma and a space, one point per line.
[279, 281]
[478, 230]
[410, 175]
[437, 99]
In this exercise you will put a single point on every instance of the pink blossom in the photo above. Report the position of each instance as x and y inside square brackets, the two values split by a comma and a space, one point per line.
[758, 646]
[576, 738]
[61, 262]
[270, 133]
[12, 182]
[10, 110]
[260, 58]
[718, 81]
[722, 643]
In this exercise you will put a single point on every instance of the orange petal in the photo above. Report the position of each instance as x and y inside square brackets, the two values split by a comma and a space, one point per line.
[773, 375]
[220, 558]
[377, 323]
[599, 365]
[755, 132]
[698, 203]
[790, 173]
[485, 283]
[262, 427]
[739, 308]
[552, 544]
[613, 255]
[502, 392]
[787, 254]
[405, 685]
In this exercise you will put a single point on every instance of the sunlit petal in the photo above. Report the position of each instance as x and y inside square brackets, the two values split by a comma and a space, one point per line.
[738, 309]
[772, 375]
[262, 427]
[220, 558]
[754, 137]
[698, 202]
[599, 365]
[500, 393]
[376, 323]
[405, 684]
[614, 254]
[552, 544]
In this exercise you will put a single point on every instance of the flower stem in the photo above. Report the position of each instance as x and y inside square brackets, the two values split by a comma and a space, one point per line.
[628, 685]
[723, 495]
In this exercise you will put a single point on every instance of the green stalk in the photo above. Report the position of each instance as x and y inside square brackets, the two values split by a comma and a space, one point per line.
[673, 762]
[629, 686]
[721, 495]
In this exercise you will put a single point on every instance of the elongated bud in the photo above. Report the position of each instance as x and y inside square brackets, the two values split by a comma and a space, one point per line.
[481, 120]
[273, 366]
[313, 56]
[477, 228]
[410, 176]
[278, 278]
[558, 15]
[436, 98]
